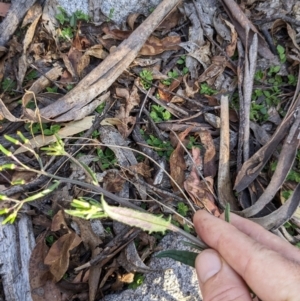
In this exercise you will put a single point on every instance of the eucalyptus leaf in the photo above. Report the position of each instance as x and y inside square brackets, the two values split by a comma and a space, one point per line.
[278, 217]
[186, 257]
[134, 218]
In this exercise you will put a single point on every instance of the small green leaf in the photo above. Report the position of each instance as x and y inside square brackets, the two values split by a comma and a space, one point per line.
[4, 211]
[10, 166]
[227, 213]
[18, 182]
[3, 197]
[5, 151]
[42, 193]
[280, 49]
[10, 219]
[24, 139]
[182, 256]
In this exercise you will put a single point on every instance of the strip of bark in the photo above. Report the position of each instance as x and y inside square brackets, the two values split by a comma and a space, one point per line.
[225, 193]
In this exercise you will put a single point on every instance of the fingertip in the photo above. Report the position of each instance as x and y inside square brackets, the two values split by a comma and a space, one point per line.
[217, 280]
[208, 263]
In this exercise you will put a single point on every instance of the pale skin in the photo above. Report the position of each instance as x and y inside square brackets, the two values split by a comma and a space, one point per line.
[244, 255]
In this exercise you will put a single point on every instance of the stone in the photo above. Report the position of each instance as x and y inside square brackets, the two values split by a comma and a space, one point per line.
[172, 281]
[116, 10]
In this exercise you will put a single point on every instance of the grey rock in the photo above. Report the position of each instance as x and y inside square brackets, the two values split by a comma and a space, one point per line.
[116, 10]
[173, 280]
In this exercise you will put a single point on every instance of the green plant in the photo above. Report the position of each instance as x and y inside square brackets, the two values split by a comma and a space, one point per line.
[207, 90]
[33, 128]
[8, 85]
[259, 75]
[286, 194]
[86, 208]
[293, 175]
[107, 158]
[111, 13]
[172, 75]
[163, 148]
[182, 208]
[69, 87]
[159, 113]
[47, 129]
[62, 17]
[33, 74]
[70, 22]
[146, 78]
[100, 108]
[53, 129]
[193, 143]
[264, 98]
[290, 228]
[52, 90]
[137, 281]
[67, 33]
[292, 80]
[50, 239]
[281, 53]
[181, 62]
[95, 134]
[182, 59]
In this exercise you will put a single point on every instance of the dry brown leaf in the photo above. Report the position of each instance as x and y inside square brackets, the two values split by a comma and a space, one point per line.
[113, 181]
[127, 278]
[171, 20]
[58, 256]
[93, 241]
[278, 24]
[163, 92]
[216, 68]
[69, 66]
[209, 167]
[59, 223]
[241, 22]
[131, 20]
[154, 45]
[190, 91]
[31, 14]
[177, 162]
[41, 284]
[22, 66]
[48, 19]
[142, 169]
[74, 57]
[25, 176]
[198, 190]
[230, 49]
[127, 121]
[116, 34]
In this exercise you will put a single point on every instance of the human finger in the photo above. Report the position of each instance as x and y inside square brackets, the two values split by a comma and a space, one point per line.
[217, 280]
[271, 276]
[264, 237]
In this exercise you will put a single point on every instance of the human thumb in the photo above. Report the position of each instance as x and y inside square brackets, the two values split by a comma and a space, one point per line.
[217, 280]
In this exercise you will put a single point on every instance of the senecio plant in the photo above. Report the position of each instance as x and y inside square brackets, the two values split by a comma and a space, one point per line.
[88, 208]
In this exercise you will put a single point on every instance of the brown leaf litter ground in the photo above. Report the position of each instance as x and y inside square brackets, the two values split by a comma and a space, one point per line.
[195, 106]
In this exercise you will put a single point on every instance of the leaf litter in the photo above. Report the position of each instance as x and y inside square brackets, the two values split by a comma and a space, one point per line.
[206, 90]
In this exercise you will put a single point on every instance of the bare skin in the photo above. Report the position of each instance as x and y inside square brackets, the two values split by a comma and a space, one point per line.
[245, 255]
